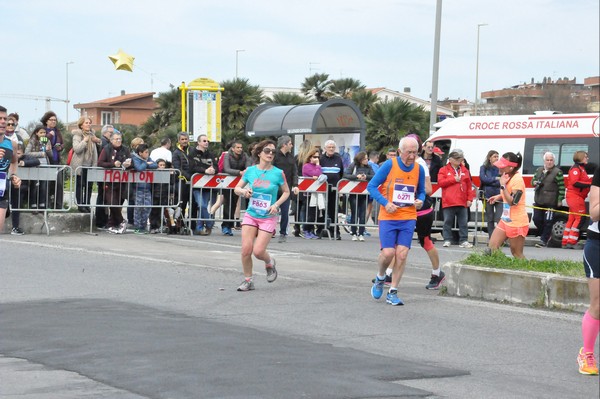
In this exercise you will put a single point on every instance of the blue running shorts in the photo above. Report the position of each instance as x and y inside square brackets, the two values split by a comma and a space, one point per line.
[396, 232]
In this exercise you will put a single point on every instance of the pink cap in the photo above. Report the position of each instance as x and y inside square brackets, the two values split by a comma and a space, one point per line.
[503, 163]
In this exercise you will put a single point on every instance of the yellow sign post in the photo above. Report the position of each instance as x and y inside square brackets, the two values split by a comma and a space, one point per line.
[201, 109]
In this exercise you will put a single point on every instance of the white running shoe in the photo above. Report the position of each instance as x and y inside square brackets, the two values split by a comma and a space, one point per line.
[271, 272]
[446, 244]
[247, 285]
[466, 244]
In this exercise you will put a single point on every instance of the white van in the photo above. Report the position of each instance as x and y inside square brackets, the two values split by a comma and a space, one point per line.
[532, 136]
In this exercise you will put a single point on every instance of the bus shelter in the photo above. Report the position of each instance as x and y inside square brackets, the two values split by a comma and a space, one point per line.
[338, 120]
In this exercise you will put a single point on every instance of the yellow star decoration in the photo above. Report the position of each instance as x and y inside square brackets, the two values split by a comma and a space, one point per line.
[122, 61]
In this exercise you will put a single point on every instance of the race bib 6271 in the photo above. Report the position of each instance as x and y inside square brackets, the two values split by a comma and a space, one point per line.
[404, 195]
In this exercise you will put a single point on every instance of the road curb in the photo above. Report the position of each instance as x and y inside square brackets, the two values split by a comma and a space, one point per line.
[58, 222]
[546, 290]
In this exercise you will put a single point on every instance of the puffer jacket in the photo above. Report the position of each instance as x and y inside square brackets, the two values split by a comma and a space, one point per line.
[140, 164]
[232, 165]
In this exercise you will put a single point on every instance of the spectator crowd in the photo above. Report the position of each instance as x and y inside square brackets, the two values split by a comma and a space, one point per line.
[156, 208]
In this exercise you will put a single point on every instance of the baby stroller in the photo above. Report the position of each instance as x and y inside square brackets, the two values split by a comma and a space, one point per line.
[174, 221]
[344, 220]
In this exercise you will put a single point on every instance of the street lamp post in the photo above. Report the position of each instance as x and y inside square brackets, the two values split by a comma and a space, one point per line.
[477, 69]
[237, 52]
[436, 67]
[67, 86]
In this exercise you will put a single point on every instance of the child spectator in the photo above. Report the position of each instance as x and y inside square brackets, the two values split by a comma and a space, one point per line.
[39, 147]
[143, 193]
[131, 194]
[162, 194]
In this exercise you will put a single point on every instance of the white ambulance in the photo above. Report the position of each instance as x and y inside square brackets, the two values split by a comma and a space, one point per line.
[531, 135]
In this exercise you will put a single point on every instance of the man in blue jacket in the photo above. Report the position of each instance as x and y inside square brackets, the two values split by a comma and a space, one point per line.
[332, 166]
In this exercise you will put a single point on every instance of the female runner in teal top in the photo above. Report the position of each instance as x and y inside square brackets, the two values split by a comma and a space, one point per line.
[260, 185]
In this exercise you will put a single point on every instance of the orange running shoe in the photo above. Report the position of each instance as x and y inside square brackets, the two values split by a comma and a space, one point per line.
[587, 363]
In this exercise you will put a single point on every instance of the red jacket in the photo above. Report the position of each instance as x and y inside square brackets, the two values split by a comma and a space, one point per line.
[455, 193]
[579, 182]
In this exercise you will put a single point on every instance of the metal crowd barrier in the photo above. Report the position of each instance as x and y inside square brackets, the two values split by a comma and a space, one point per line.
[347, 188]
[477, 199]
[164, 188]
[42, 191]
[208, 188]
[475, 217]
[311, 206]
[353, 196]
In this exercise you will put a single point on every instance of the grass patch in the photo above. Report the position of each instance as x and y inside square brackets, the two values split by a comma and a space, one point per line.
[500, 261]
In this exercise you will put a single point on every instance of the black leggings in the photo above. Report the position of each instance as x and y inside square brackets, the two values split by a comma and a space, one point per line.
[423, 228]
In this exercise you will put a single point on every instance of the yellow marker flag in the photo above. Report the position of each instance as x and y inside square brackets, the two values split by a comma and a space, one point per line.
[122, 61]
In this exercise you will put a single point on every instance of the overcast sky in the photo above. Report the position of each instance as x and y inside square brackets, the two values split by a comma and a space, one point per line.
[383, 43]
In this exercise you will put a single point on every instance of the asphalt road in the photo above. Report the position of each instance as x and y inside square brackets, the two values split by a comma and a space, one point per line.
[159, 317]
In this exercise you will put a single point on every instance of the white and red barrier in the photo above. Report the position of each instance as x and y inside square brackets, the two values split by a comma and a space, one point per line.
[348, 192]
[214, 181]
[218, 186]
[310, 184]
[352, 187]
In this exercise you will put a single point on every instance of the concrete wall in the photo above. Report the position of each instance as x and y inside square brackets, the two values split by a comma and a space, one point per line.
[519, 287]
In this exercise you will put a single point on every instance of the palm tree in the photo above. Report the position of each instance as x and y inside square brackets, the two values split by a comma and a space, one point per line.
[343, 88]
[317, 86]
[388, 122]
[287, 99]
[238, 100]
[364, 99]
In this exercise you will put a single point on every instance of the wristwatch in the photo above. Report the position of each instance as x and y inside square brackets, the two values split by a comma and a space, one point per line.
[503, 187]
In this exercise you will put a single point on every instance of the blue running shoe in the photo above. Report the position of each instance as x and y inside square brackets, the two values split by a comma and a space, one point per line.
[377, 288]
[392, 298]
